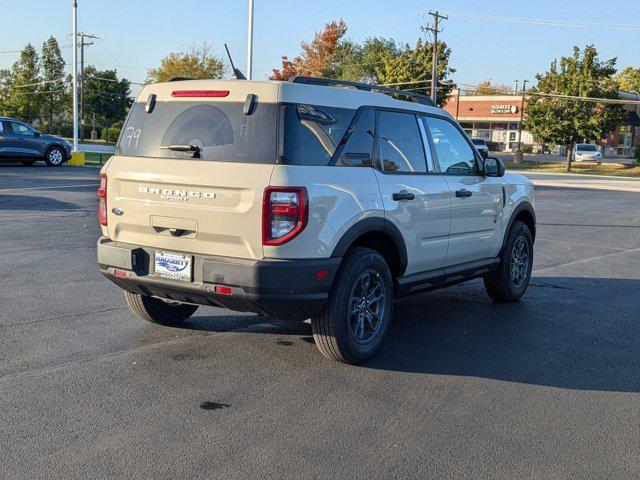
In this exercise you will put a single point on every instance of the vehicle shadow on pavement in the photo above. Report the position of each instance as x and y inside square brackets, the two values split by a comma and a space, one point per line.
[34, 203]
[566, 332]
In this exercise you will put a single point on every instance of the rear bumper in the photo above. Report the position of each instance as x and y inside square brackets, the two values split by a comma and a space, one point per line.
[286, 289]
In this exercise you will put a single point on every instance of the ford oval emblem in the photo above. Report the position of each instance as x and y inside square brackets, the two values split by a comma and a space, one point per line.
[117, 211]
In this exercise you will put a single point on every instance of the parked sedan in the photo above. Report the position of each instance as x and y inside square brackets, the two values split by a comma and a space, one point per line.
[586, 152]
[19, 141]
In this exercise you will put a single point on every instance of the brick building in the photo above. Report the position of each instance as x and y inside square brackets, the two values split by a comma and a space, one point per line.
[496, 118]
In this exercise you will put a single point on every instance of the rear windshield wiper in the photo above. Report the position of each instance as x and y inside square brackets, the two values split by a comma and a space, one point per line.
[184, 148]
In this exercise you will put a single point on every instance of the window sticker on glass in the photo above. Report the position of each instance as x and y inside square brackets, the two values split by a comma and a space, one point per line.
[132, 134]
[307, 112]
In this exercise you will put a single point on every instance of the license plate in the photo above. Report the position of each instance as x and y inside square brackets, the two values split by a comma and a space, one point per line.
[173, 265]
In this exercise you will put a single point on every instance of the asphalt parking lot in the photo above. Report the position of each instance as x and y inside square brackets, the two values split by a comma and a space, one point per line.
[464, 388]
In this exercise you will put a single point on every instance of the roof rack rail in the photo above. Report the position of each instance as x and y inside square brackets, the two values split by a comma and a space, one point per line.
[179, 79]
[327, 82]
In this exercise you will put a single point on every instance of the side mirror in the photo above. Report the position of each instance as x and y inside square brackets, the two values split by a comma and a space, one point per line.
[37, 134]
[494, 167]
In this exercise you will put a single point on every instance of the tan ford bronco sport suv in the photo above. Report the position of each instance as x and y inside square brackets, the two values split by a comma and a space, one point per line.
[301, 200]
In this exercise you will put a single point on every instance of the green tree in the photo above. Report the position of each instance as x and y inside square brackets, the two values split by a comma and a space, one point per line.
[362, 62]
[414, 65]
[54, 93]
[198, 63]
[24, 99]
[487, 88]
[6, 84]
[567, 121]
[106, 96]
[629, 79]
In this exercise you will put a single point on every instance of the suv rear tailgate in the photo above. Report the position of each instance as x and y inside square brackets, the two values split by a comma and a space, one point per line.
[205, 207]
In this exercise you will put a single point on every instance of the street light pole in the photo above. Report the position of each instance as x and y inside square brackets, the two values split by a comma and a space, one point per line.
[524, 89]
[74, 20]
[250, 42]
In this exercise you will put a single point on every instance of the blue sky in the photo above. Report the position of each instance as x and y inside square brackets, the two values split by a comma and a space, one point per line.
[135, 34]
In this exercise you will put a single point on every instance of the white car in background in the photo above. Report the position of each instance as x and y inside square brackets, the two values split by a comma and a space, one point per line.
[586, 152]
[481, 146]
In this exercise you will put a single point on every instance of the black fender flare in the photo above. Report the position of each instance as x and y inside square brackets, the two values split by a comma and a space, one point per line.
[373, 224]
[522, 206]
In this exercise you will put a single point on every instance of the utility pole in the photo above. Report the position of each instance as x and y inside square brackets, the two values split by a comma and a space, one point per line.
[434, 67]
[74, 28]
[515, 87]
[518, 156]
[82, 45]
[250, 42]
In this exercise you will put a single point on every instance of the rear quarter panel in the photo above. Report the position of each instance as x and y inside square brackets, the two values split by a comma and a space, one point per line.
[518, 189]
[339, 197]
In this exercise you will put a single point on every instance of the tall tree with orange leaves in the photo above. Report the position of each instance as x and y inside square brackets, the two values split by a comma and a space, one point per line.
[316, 57]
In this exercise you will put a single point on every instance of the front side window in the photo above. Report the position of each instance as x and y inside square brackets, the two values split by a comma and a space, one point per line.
[455, 155]
[399, 144]
[21, 129]
[312, 133]
[220, 130]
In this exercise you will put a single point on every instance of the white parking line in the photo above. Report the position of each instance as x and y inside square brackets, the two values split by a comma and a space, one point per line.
[57, 187]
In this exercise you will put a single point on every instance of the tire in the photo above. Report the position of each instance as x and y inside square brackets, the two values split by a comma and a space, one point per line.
[54, 157]
[355, 338]
[501, 285]
[158, 311]
[28, 163]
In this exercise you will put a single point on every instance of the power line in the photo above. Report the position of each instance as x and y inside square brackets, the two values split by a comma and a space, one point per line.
[546, 22]
[585, 99]
[434, 63]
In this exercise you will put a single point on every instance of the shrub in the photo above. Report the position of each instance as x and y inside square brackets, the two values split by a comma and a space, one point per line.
[636, 155]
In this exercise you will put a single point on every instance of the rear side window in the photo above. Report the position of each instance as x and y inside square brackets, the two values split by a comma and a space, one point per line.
[357, 144]
[220, 129]
[455, 155]
[399, 145]
[312, 133]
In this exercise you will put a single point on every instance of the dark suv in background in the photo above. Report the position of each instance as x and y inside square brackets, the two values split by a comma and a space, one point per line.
[21, 142]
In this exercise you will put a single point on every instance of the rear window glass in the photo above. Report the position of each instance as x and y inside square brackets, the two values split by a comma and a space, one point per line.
[220, 130]
[312, 133]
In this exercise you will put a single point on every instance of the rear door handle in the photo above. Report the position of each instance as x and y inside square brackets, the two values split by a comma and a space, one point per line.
[463, 193]
[403, 195]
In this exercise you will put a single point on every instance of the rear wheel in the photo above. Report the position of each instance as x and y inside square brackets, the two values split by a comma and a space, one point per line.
[158, 311]
[28, 163]
[509, 282]
[358, 313]
[54, 157]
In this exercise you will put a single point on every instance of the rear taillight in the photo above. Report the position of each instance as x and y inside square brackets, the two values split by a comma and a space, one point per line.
[284, 214]
[102, 200]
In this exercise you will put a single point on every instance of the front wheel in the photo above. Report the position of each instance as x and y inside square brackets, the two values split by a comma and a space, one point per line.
[509, 282]
[158, 311]
[54, 157]
[358, 313]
